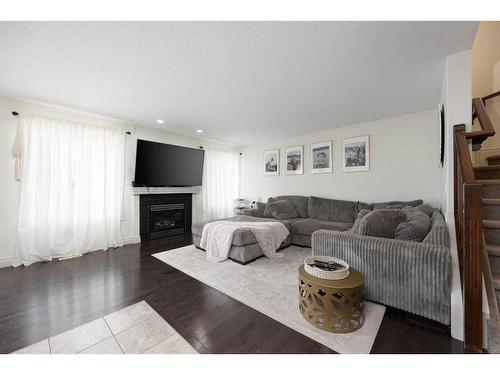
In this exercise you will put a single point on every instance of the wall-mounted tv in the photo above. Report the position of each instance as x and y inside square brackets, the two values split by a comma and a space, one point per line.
[160, 164]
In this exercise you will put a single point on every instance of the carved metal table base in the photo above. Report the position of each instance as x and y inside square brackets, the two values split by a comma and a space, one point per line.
[332, 305]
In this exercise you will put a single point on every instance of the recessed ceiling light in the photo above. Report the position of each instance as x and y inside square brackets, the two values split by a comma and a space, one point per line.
[199, 131]
[160, 121]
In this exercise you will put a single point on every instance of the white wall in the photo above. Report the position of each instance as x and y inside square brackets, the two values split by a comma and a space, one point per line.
[485, 56]
[456, 96]
[9, 193]
[404, 155]
[457, 100]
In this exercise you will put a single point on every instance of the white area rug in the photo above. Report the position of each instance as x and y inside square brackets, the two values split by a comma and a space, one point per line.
[271, 287]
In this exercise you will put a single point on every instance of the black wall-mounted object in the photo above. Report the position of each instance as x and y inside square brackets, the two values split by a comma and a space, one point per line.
[164, 165]
[442, 138]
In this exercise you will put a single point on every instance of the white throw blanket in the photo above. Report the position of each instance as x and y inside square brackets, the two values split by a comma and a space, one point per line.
[217, 237]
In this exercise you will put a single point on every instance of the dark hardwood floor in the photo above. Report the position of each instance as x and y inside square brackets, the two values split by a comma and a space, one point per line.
[46, 299]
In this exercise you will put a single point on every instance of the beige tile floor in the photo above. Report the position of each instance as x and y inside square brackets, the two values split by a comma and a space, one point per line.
[136, 329]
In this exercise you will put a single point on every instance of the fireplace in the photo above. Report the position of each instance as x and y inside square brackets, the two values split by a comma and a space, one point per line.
[164, 215]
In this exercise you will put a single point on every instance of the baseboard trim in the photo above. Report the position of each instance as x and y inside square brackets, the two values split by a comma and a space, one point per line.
[5, 262]
[131, 240]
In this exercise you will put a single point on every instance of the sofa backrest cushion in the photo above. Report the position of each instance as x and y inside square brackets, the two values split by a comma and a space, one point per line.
[299, 202]
[332, 210]
[415, 203]
[416, 226]
[282, 210]
[381, 223]
[360, 206]
[267, 211]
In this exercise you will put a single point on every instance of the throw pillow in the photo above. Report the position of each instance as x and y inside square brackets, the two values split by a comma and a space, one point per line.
[426, 208]
[381, 223]
[361, 214]
[282, 210]
[416, 226]
[267, 211]
[260, 208]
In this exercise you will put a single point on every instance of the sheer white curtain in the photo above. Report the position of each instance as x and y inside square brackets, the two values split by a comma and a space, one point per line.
[221, 183]
[71, 189]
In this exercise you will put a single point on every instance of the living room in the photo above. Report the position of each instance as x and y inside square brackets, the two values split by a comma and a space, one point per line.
[264, 187]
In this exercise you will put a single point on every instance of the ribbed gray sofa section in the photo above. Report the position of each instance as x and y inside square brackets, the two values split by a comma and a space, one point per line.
[412, 276]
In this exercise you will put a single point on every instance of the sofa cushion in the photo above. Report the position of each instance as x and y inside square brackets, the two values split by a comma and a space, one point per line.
[260, 206]
[267, 211]
[415, 227]
[381, 223]
[247, 212]
[282, 210]
[301, 240]
[389, 207]
[426, 208]
[332, 210]
[414, 203]
[360, 206]
[308, 226]
[300, 203]
[361, 214]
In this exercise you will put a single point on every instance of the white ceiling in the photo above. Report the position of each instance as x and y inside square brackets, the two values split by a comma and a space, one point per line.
[241, 82]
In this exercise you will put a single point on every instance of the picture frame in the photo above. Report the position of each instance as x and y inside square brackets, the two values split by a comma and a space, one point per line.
[271, 162]
[356, 154]
[321, 157]
[294, 159]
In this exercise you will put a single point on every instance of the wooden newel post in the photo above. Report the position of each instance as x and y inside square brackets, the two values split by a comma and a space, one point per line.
[472, 270]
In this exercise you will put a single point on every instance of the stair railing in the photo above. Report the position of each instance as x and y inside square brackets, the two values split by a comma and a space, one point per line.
[468, 223]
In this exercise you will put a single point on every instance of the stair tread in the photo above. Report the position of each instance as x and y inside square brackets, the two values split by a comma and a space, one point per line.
[496, 280]
[487, 168]
[491, 201]
[493, 157]
[489, 182]
[492, 224]
[493, 250]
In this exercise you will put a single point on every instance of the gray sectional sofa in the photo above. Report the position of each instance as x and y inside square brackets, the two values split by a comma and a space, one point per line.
[412, 273]
[313, 214]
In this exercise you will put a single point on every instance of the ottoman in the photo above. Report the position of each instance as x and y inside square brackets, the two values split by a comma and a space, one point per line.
[245, 248]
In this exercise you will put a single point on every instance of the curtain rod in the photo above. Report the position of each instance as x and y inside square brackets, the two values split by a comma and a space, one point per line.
[14, 113]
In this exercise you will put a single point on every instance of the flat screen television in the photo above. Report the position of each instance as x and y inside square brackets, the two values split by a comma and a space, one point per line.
[164, 165]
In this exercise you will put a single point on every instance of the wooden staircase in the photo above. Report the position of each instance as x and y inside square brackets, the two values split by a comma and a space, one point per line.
[477, 226]
[489, 177]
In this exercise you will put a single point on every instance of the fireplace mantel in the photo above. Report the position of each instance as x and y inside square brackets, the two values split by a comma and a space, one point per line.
[166, 190]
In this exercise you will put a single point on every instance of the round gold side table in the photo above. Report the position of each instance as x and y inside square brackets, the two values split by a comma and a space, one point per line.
[332, 305]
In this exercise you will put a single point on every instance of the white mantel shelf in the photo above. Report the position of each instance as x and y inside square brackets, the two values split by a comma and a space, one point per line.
[166, 190]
